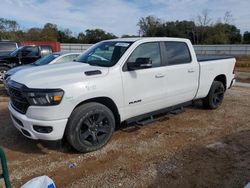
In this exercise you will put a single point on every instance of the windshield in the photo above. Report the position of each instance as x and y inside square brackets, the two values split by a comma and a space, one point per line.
[105, 54]
[46, 59]
[14, 53]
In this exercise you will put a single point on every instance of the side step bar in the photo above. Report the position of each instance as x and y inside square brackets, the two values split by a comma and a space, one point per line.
[149, 117]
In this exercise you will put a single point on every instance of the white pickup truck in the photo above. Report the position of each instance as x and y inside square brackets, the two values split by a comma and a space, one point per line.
[114, 81]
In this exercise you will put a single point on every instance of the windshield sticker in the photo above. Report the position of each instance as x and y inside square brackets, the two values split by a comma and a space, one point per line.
[122, 44]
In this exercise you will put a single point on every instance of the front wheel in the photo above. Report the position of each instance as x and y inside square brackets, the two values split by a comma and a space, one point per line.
[215, 95]
[3, 70]
[90, 127]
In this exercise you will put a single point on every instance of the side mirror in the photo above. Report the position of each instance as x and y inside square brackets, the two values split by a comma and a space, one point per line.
[140, 63]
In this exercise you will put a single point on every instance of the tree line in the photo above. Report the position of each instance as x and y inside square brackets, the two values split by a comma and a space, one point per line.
[10, 30]
[201, 30]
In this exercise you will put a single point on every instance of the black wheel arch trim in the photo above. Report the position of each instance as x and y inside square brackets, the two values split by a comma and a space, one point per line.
[106, 101]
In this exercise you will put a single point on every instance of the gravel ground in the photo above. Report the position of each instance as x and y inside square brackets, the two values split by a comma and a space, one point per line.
[197, 148]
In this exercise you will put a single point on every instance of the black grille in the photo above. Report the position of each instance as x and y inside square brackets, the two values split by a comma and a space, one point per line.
[18, 102]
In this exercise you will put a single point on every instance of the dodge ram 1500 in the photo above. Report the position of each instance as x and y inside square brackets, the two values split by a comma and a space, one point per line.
[114, 81]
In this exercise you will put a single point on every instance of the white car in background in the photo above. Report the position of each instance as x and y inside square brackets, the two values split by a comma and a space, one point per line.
[57, 57]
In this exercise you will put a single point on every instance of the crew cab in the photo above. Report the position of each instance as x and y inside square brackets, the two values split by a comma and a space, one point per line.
[114, 81]
[22, 56]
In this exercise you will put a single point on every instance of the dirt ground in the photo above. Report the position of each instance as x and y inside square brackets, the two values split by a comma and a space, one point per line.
[197, 148]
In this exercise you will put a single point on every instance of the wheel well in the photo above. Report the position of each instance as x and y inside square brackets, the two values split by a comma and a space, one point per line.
[108, 103]
[222, 78]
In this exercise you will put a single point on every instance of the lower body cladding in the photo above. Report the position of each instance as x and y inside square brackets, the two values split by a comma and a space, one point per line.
[38, 129]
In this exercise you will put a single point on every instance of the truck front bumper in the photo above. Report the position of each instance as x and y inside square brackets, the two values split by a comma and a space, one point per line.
[38, 129]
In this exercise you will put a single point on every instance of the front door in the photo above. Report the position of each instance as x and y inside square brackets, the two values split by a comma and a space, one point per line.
[144, 88]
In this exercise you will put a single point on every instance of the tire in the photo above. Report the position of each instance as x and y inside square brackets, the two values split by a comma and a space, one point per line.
[90, 127]
[215, 96]
[3, 69]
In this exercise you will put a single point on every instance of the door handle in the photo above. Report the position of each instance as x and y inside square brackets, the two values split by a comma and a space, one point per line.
[190, 71]
[159, 76]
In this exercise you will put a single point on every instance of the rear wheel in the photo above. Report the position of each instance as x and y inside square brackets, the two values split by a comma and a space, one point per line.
[90, 127]
[215, 95]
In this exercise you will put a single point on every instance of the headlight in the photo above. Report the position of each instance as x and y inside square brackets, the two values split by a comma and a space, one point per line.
[45, 97]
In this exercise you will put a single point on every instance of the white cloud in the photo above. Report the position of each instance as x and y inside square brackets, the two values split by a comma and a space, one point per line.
[117, 16]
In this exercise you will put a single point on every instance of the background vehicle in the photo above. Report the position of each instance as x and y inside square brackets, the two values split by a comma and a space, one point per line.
[135, 78]
[22, 55]
[6, 47]
[57, 57]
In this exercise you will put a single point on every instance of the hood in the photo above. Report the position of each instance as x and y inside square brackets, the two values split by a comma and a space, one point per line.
[18, 68]
[56, 75]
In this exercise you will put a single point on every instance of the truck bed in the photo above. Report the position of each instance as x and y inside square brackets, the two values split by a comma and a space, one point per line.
[202, 58]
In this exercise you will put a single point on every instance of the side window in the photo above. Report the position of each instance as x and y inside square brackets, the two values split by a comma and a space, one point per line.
[65, 59]
[30, 51]
[148, 50]
[177, 53]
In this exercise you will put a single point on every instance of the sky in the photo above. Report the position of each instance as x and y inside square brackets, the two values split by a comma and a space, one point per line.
[118, 16]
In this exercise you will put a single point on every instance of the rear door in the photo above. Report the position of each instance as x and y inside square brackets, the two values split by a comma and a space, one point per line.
[182, 73]
[144, 88]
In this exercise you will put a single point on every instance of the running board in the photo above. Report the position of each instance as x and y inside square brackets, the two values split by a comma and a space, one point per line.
[177, 111]
[145, 121]
[149, 117]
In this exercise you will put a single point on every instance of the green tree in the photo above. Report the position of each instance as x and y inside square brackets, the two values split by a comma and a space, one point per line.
[246, 37]
[233, 33]
[129, 36]
[216, 35]
[81, 37]
[149, 26]
[8, 29]
[95, 35]
[33, 34]
[66, 36]
[49, 32]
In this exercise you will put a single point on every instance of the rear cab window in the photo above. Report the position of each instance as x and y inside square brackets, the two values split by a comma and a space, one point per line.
[176, 53]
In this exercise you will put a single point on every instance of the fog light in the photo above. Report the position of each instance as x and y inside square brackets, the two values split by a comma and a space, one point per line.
[42, 129]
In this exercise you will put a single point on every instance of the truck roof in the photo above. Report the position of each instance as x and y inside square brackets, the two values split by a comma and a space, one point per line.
[133, 39]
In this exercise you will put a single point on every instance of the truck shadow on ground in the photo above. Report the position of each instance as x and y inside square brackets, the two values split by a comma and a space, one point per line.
[224, 163]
